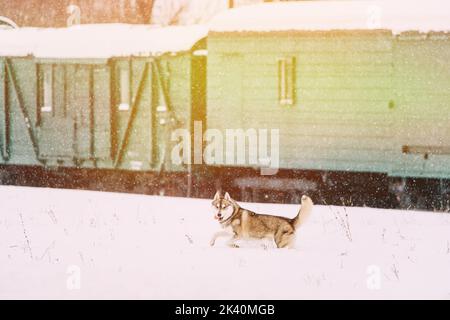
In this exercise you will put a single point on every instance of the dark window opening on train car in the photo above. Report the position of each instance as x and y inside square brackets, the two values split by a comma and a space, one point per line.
[287, 81]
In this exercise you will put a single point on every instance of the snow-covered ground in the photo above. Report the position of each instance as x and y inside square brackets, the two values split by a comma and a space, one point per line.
[78, 244]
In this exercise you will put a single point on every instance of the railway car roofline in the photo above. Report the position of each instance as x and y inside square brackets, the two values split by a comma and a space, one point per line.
[100, 41]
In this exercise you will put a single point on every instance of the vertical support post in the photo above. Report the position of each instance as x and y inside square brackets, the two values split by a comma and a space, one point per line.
[92, 116]
[38, 95]
[4, 102]
[65, 88]
[114, 100]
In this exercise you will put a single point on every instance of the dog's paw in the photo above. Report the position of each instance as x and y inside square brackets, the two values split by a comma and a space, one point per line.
[212, 243]
[233, 245]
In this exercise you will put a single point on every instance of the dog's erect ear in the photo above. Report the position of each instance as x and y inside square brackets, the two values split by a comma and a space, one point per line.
[227, 196]
[217, 196]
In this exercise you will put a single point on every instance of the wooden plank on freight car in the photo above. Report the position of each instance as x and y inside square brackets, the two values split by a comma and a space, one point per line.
[134, 108]
[102, 116]
[4, 114]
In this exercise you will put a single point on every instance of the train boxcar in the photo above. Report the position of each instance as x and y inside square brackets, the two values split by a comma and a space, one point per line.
[358, 94]
[98, 96]
[353, 87]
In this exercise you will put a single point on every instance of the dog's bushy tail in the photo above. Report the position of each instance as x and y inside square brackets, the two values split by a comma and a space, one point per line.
[304, 212]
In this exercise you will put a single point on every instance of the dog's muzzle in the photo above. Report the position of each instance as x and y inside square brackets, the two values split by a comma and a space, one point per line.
[219, 217]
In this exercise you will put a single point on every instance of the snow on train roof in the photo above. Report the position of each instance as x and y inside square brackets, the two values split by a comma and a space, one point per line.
[99, 41]
[395, 15]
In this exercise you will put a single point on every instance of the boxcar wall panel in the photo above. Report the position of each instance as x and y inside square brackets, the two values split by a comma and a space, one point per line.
[333, 42]
[331, 113]
[91, 103]
[83, 114]
[4, 114]
[422, 108]
[172, 106]
[179, 73]
[102, 116]
[225, 89]
[266, 93]
[121, 91]
[20, 90]
[361, 57]
[358, 89]
[350, 160]
[343, 89]
[133, 114]
[56, 122]
[316, 70]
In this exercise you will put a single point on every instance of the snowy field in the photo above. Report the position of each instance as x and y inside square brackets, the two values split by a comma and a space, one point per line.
[77, 244]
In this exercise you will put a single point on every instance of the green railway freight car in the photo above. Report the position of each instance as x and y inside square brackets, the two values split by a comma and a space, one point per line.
[352, 86]
[98, 96]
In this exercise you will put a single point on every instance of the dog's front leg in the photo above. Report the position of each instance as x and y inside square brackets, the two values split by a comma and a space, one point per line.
[231, 243]
[218, 235]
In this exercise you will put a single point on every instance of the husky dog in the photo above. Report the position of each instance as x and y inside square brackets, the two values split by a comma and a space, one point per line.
[240, 223]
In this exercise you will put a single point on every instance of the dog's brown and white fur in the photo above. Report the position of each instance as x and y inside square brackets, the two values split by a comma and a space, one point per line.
[240, 223]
